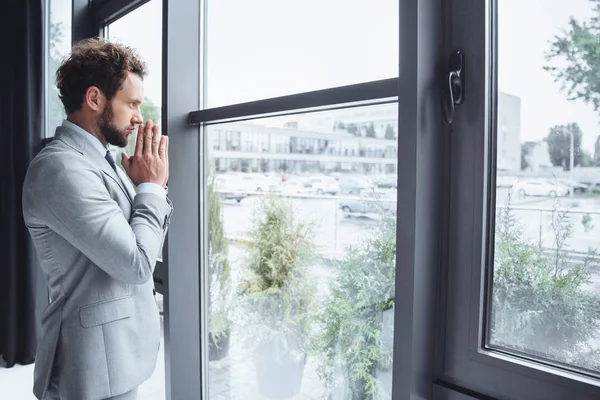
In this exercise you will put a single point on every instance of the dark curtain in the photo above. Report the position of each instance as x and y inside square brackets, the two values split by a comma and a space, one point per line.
[21, 100]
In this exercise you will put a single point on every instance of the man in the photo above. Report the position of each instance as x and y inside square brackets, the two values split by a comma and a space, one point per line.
[96, 237]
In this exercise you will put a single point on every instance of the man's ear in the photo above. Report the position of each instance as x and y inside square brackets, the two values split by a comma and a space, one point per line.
[94, 99]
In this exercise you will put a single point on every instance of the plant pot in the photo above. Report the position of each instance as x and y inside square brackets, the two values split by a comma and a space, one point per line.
[279, 376]
[220, 349]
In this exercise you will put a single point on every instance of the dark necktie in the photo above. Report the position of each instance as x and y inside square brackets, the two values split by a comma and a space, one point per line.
[111, 160]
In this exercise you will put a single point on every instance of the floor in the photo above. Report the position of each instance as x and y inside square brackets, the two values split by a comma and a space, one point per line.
[232, 378]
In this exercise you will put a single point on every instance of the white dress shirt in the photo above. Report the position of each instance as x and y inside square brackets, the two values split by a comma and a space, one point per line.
[145, 187]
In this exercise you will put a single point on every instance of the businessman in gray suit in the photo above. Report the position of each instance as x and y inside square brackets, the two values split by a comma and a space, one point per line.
[97, 237]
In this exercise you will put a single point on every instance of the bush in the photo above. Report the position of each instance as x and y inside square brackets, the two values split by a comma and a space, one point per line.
[540, 304]
[352, 340]
[278, 291]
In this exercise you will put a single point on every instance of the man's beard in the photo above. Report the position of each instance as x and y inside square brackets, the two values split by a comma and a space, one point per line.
[106, 128]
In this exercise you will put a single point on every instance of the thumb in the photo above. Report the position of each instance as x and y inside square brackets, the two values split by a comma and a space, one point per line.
[125, 161]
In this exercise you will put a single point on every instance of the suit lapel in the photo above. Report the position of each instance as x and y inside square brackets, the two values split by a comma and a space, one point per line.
[107, 169]
[81, 144]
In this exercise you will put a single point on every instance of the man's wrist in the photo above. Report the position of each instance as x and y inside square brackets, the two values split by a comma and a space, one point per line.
[153, 188]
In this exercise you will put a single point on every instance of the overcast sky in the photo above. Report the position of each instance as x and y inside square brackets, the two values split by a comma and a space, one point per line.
[264, 48]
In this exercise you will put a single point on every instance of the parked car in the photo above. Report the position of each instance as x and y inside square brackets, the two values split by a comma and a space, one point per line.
[228, 187]
[324, 185]
[370, 202]
[296, 186]
[254, 182]
[352, 184]
[578, 187]
[540, 187]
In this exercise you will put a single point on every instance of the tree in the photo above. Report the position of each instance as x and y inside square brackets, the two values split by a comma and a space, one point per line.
[559, 145]
[597, 153]
[525, 153]
[352, 128]
[150, 111]
[574, 58]
[586, 159]
[389, 132]
[370, 131]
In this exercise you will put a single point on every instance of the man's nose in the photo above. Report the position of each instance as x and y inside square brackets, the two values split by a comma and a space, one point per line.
[137, 117]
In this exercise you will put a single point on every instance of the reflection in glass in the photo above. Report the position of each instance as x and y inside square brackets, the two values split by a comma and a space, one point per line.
[268, 48]
[302, 230]
[546, 297]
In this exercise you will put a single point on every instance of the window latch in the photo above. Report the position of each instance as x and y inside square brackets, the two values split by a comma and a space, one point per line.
[453, 87]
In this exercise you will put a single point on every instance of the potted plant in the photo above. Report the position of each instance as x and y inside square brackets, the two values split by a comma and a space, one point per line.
[220, 296]
[354, 342]
[278, 292]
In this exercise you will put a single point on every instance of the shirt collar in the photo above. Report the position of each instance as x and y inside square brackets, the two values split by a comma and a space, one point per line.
[93, 139]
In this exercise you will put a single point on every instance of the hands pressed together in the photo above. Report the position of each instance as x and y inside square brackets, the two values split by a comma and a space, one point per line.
[150, 161]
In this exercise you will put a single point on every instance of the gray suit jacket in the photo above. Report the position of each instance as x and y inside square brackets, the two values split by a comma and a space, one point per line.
[97, 242]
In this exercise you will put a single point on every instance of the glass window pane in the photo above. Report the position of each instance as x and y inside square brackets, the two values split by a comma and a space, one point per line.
[545, 303]
[302, 256]
[59, 45]
[148, 43]
[268, 48]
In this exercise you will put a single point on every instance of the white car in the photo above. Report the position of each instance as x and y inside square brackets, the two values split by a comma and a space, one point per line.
[324, 185]
[505, 181]
[540, 187]
[296, 187]
[253, 182]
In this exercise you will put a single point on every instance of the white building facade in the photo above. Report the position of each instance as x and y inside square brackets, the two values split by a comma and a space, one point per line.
[361, 140]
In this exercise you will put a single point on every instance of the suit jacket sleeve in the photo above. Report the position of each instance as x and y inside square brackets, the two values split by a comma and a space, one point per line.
[79, 208]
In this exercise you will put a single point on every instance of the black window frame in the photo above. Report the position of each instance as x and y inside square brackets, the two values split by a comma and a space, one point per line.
[463, 363]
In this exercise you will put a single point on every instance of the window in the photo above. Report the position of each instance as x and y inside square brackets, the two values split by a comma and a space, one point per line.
[522, 300]
[301, 269]
[286, 47]
[58, 42]
[545, 298]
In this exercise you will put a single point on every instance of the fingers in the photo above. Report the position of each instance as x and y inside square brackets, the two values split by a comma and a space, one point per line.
[139, 142]
[162, 151]
[156, 139]
[148, 138]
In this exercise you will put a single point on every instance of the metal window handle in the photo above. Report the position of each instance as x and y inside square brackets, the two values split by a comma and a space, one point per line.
[453, 90]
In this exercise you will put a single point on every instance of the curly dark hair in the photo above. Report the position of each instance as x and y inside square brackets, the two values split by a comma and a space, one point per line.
[96, 62]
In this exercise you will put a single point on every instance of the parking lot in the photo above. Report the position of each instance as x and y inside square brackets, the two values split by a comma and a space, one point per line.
[335, 229]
